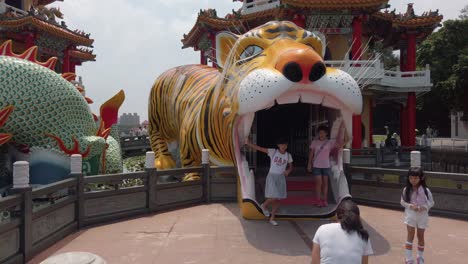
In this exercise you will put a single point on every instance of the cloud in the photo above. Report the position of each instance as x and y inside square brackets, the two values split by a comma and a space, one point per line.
[136, 40]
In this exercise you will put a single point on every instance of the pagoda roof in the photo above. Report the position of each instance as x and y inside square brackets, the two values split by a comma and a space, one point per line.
[208, 21]
[410, 20]
[335, 4]
[46, 2]
[392, 27]
[10, 21]
[83, 55]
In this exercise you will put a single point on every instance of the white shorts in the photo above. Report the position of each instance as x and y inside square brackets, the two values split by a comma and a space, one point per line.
[416, 219]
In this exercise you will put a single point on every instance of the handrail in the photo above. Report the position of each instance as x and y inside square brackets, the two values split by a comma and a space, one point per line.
[53, 187]
[4, 7]
[429, 174]
[10, 201]
[114, 177]
[259, 5]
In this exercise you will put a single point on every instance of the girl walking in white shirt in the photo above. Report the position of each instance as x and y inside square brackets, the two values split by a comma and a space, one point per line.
[417, 200]
[280, 167]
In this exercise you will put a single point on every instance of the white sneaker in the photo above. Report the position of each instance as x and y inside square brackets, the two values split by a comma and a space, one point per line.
[273, 222]
[265, 211]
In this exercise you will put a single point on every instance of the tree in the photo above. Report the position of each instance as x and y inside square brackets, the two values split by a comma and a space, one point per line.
[464, 13]
[386, 55]
[446, 51]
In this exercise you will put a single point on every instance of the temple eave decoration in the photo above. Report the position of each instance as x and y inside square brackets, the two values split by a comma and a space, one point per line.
[335, 4]
[83, 56]
[30, 21]
[409, 19]
[45, 2]
[208, 21]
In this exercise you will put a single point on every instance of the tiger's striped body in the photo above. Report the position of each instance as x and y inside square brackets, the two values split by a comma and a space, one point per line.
[176, 103]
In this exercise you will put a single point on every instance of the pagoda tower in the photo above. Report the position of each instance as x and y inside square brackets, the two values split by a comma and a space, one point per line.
[33, 23]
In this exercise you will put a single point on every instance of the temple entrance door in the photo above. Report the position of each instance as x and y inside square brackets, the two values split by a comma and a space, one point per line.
[296, 122]
[290, 121]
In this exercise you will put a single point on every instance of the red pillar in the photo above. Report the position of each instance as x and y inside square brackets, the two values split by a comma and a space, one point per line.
[356, 50]
[371, 121]
[30, 39]
[72, 66]
[403, 59]
[403, 125]
[411, 53]
[411, 101]
[411, 110]
[202, 57]
[299, 20]
[66, 61]
[212, 36]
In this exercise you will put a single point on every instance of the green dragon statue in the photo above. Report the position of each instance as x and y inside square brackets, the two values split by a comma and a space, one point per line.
[50, 119]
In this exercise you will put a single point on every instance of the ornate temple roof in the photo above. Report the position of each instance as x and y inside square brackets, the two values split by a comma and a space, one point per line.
[83, 55]
[208, 20]
[390, 26]
[46, 2]
[409, 19]
[336, 4]
[30, 21]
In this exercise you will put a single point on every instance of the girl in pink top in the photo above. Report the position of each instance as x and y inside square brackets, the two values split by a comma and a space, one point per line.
[319, 163]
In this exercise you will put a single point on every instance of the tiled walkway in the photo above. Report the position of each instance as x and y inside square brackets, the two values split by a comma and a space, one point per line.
[216, 234]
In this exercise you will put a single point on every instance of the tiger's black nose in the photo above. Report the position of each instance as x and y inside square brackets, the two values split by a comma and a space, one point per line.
[317, 71]
[293, 72]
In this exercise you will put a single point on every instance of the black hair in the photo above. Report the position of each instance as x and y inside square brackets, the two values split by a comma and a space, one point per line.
[350, 220]
[322, 128]
[282, 140]
[414, 171]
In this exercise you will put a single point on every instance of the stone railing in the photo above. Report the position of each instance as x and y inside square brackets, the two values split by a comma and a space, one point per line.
[372, 72]
[383, 188]
[31, 220]
[259, 5]
[5, 7]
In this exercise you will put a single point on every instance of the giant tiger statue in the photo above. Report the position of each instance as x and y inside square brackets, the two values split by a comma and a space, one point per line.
[205, 108]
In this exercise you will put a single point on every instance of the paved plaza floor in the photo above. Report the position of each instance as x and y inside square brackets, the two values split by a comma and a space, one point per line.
[216, 233]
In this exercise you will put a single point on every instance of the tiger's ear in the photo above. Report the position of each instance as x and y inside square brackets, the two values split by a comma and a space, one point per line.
[225, 40]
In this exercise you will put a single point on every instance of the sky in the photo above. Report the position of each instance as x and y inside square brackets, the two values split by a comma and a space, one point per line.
[137, 40]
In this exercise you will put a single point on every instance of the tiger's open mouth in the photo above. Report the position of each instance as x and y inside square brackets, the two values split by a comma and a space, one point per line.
[242, 130]
[252, 99]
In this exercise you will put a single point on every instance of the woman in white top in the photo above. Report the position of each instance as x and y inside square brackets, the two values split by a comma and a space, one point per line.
[344, 242]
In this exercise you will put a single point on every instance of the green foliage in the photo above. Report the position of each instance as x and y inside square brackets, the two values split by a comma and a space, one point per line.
[390, 60]
[446, 51]
[134, 164]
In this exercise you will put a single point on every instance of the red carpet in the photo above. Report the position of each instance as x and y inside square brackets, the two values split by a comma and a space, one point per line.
[295, 200]
[305, 196]
[301, 185]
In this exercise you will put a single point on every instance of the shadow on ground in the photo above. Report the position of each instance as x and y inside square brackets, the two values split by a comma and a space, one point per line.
[294, 238]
